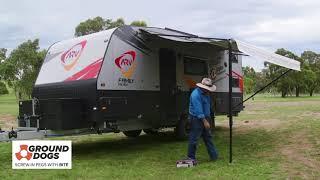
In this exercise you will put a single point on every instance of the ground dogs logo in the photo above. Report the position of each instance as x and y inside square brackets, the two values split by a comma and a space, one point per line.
[41, 155]
[71, 56]
[126, 63]
[23, 153]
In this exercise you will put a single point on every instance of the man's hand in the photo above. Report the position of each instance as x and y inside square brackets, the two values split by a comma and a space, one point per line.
[206, 124]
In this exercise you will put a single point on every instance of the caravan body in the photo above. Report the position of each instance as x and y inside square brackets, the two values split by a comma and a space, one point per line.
[127, 78]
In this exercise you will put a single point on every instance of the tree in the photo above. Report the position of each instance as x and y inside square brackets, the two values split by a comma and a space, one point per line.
[2, 60]
[139, 23]
[261, 81]
[248, 85]
[97, 24]
[22, 66]
[311, 57]
[254, 81]
[112, 24]
[312, 60]
[289, 82]
[3, 88]
[90, 26]
[3, 53]
[310, 79]
[249, 79]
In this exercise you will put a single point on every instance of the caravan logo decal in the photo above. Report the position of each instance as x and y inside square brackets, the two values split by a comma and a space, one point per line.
[126, 63]
[71, 57]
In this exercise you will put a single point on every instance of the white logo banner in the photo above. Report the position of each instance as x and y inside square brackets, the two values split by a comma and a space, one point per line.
[41, 154]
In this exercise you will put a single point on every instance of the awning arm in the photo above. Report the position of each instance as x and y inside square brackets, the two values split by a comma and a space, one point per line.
[174, 30]
[183, 36]
[196, 36]
[264, 87]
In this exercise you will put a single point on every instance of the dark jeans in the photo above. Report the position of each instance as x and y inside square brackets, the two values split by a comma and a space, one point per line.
[197, 130]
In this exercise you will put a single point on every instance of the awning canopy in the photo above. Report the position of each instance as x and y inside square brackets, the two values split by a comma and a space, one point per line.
[237, 46]
[268, 56]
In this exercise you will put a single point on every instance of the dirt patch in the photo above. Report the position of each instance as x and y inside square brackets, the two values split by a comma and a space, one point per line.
[255, 112]
[298, 157]
[7, 121]
[312, 114]
[293, 103]
[247, 125]
[267, 124]
[252, 105]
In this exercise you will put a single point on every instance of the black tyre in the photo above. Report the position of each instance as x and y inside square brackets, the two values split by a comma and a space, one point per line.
[151, 131]
[183, 128]
[133, 133]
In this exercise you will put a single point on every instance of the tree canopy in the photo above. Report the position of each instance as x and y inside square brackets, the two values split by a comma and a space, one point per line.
[139, 23]
[21, 68]
[99, 24]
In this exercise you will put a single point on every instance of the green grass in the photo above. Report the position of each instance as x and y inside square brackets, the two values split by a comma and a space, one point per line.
[153, 157]
[256, 150]
[8, 104]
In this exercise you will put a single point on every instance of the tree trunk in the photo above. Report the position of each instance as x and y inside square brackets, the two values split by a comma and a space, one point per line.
[311, 92]
[283, 93]
[297, 91]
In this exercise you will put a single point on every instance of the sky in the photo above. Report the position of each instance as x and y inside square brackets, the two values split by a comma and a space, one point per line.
[271, 24]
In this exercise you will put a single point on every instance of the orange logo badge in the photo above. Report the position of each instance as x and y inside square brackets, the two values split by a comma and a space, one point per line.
[71, 57]
[24, 153]
[126, 63]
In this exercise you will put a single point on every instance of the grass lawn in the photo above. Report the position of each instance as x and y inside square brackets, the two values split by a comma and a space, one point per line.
[8, 104]
[273, 138]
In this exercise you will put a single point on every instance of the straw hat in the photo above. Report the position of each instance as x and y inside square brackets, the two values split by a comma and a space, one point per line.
[207, 84]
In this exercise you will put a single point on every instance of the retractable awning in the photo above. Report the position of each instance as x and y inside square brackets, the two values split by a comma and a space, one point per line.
[237, 46]
[268, 56]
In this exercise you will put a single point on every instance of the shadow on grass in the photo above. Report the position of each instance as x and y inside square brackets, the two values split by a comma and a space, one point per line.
[124, 144]
[245, 144]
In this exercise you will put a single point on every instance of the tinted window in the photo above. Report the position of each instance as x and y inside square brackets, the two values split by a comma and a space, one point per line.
[194, 66]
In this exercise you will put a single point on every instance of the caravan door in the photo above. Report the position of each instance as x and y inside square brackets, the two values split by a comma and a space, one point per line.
[167, 62]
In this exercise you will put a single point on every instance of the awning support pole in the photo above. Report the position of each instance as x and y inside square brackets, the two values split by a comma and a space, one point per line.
[270, 83]
[230, 100]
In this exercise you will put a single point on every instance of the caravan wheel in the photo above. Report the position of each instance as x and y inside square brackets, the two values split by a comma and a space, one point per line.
[134, 133]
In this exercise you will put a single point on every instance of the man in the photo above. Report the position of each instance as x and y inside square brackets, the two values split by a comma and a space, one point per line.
[199, 114]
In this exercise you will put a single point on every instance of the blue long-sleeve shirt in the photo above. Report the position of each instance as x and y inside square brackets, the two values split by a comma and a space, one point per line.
[200, 104]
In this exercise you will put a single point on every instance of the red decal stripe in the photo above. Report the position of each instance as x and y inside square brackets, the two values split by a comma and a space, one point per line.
[88, 72]
[234, 74]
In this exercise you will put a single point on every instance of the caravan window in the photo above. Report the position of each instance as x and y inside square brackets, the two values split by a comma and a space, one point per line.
[195, 66]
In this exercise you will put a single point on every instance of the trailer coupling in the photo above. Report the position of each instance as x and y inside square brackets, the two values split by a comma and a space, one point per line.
[12, 134]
